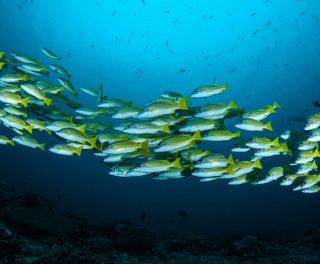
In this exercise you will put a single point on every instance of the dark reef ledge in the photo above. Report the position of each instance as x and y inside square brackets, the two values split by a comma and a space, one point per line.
[32, 230]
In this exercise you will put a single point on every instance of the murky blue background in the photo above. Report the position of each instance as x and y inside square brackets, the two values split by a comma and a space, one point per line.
[266, 50]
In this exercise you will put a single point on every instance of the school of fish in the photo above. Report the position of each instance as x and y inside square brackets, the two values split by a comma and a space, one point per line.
[163, 139]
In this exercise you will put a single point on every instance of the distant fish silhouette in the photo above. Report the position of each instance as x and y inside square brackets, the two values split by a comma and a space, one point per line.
[316, 103]
[181, 71]
[143, 216]
[183, 214]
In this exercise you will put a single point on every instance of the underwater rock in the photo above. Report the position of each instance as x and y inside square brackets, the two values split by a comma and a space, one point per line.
[28, 211]
[137, 241]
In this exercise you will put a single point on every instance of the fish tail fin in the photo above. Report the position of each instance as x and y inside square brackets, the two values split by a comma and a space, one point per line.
[70, 119]
[316, 153]
[271, 109]
[48, 101]
[25, 78]
[24, 101]
[233, 104]
[314, 165]
[268, 126]
[82, 128]
[257, 164]
[11, 142]
[144, 152]
[29, 129]
[226, 86]
[196, 136]
[176, 163]
[48, 131]
[229, 170]
[1, 65]
[237, 134]
[276, 142]
[42, 146]
[207, 152]
[78, 151]
[276, 105]
[182, 105]
[285, 148]
[231, 160]
[166, 129]
[93, 142]
[145, 146]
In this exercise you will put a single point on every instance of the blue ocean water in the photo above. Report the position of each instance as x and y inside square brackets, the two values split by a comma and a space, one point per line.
[265, 50]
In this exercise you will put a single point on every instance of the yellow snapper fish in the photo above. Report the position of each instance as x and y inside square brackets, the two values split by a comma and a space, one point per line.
[74, 135]
[60, 70]
[49, 88]
[58, 115]
[59, 125]
[23, 58]
[15, 122]
[67, 150]
[313, 122]
[308, 182]
[163, 108]
[307, 145]
[273, 151]
[35, 69]
[198, 125]
[50, 54]
[5, 141]
[111, 137]
[125, 146]
[113, 103]
[243, 167]
[29, 142]
[153, 141]
[174, 142]
[11, 88]
[13, 99]
[239, 180]
[312, 189]
[38, 125]
[67, 85]
[89, 111]
[262, 113]
[36, 92]
[314, 136]
[240, 148]
[171, 95]
[209, 90]
[172, 173]
[289, 179]
[125, 171]
[273, 174]
[13, 110]
[262, 143]
[14, 78]
[220, 135]
[125, 112]
[308, 167]
[214, 161]
[167, 120]
[211, 172]
[145, 128]
[194, 154]
[215, 109]
[307, 156]
[253, 125]
[156, 166]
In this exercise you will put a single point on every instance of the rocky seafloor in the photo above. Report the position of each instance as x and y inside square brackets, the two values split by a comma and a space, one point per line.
[33, 230]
